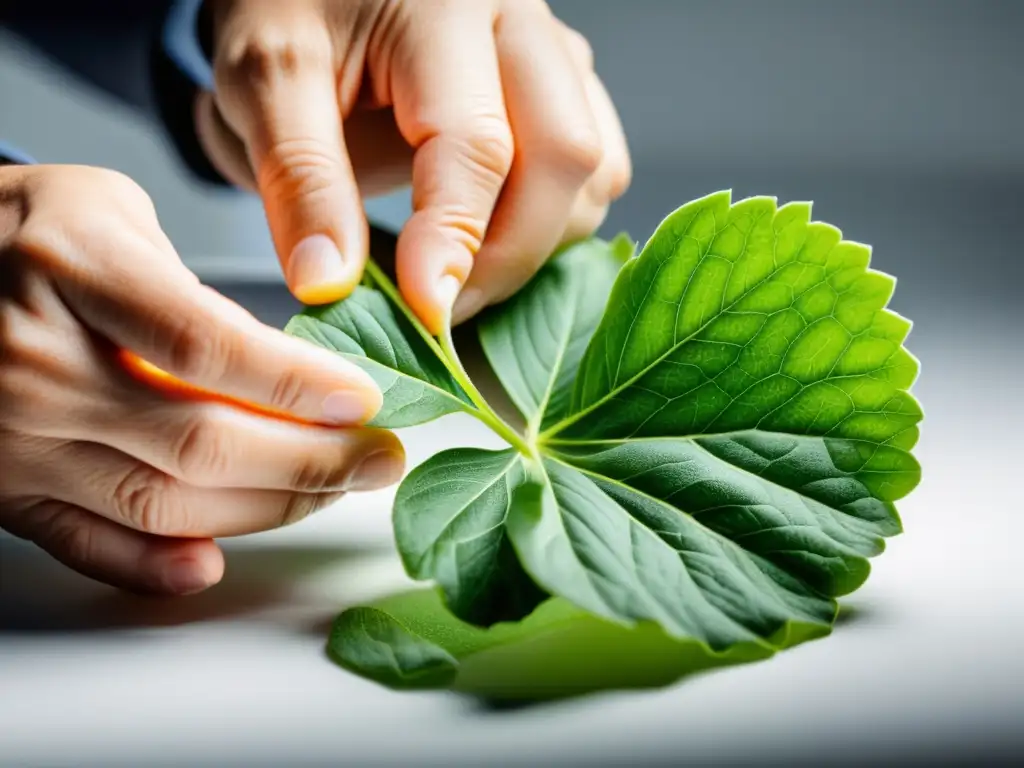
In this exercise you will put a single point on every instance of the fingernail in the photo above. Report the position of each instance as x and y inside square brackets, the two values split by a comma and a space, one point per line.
[185, 576]
[346, 407]
[378, 470]
[471, 300]
[316, 271]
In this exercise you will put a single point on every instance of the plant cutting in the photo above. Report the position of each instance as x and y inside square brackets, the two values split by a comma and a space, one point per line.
[714, 432]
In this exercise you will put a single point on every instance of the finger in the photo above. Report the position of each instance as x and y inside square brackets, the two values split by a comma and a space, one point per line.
[144, 301]
[276, 89]
[381, 157]
[612, 178]
[221, 145]
[559, 148]
[46, 378]
[214, 445]
[115, 555]
[125, 491]
[449, 106]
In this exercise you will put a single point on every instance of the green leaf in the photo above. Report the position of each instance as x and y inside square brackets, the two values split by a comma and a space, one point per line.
[739, 431]
[717, 431]
[366, 328]
[449, 519]
[535, 340]
[723, 539]
[747, 317]
[373, 643]
[409, 641]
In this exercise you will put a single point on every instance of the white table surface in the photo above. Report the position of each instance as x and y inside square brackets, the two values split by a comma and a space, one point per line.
[928, 665]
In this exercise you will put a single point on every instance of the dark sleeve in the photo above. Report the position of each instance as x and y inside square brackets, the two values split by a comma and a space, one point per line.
[145, 53]
[11, 155]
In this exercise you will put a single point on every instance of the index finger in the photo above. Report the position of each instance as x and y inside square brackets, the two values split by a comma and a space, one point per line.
[148, 303]
[277, 89]
[449, 106]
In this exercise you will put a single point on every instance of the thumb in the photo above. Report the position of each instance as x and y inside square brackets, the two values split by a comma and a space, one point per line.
[276, 89]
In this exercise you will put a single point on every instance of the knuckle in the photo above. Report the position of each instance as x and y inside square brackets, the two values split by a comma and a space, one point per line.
[467, 229]
[489, 146]
[12, 322]
[298, 168]
[20, 385]
[579, 151]
[120, 184]
[288, 391]
[316, 476]
[64, 534]
[42, 241]
[145, 500]
[620, 180]
[201, 450]
[298, 507]
[119, 191]
[580, 49]
[585, 222]
[273, 53]
[195, 349]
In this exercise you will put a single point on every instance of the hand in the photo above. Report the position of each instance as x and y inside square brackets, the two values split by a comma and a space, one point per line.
[492, 106]
[121, 476]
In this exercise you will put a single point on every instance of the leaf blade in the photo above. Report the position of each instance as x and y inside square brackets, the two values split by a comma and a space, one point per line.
[366, 329]
[535, 340]
[727, 326]
[449, 520]
[752, 347]
[558, 651]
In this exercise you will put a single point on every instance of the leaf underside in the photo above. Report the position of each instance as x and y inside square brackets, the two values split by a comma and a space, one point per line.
[370, 331]
[719, 428]
[411, 641]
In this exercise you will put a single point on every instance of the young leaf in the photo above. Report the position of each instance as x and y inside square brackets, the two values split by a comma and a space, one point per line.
[409, 641]
[449, 519]
[367, 329]
[536, 339]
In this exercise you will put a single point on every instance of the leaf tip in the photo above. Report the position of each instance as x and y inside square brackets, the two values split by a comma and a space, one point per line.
[371, 642]
[798, 212]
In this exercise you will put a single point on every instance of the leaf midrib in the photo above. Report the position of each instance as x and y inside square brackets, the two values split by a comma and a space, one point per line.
[694, 440]
[533, 427]
[477, 407]
[756, 557]
[514, 456]
[463, 404]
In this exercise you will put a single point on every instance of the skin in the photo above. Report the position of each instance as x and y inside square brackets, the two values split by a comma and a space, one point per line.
[143, 415]
[127, 474]
[491, 108]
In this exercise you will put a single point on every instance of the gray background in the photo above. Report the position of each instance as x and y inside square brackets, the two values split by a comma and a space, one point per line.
[904, 123]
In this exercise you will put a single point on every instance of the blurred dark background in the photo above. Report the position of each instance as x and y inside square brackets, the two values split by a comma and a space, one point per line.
[904, 122]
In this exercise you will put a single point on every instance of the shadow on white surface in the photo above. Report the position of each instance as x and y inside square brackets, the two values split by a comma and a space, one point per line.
[39, 595]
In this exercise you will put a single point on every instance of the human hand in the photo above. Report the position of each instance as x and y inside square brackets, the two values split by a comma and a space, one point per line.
[492, 107]
[127, 477]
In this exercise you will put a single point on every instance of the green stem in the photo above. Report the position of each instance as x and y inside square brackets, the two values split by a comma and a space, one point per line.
[391, 291]
[484, 411]
[445, 350]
